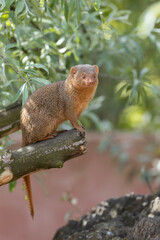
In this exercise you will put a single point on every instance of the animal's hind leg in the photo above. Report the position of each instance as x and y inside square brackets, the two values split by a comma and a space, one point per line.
[52, 135]
[48, 137]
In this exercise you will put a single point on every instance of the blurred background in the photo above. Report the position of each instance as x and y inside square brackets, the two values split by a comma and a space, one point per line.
[39, 42]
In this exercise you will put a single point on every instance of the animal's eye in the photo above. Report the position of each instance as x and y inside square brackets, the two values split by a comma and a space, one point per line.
[94, 76]
[83, 76]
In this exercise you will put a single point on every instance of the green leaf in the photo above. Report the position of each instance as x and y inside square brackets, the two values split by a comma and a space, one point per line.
[135, 74]
[155, 90]
[95, 104]
[148, 19]
[7, 95]
[25, 94]
[78, 11]
[50, 12]
[2, 38]
[35, 6]
[52, 3]
[115, 150]
[98, 3]
[9, 3]
[19, 7]
[12, 186]
[95, 6]
[8, 83]
[66, 11]
[38, 65]
[133, 94]
[19, 93]
[41, 81]
[9, 46]
[62, 3]
[2, 3]
[143, 72]
[30, 71]
[71, 8]
[120, 91]
[146, 175]
[138, 49]
[95, 119]
[104, 144]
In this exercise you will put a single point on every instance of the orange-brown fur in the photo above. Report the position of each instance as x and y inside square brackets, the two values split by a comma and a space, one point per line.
[55, 103]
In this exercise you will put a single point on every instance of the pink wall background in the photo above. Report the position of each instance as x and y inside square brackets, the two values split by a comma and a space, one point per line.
[91, 179]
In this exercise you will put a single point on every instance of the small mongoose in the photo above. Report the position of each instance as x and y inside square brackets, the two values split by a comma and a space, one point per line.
[53, 104]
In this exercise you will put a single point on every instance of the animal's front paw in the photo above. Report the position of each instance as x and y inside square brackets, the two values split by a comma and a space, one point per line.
[82, 131]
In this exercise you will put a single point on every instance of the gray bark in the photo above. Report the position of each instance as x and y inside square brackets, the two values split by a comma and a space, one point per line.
[9, 119]
[51, 153]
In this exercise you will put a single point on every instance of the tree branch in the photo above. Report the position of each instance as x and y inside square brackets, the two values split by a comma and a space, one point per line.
[9, 119]
[110, 77]
[6, 62]
[46, 154]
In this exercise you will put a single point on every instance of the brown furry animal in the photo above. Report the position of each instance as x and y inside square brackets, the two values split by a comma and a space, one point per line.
[55, 103]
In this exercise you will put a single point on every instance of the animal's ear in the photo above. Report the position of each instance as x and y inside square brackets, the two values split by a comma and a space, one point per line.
[96, 68]
[73, 70]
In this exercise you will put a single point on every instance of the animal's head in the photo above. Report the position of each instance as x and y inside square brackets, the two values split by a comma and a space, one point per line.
[85, 75]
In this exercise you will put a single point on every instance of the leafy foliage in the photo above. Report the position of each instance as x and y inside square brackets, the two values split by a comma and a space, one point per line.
[40, 40]
[44, 38]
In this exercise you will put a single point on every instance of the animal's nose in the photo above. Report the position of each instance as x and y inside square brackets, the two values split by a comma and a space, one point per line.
[91, 81]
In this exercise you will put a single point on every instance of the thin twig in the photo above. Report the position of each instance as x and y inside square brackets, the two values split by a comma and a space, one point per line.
[12, 67]
[110, 77]
[15, 70]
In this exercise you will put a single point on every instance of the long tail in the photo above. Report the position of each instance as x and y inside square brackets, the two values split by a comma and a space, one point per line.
[27, 186]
